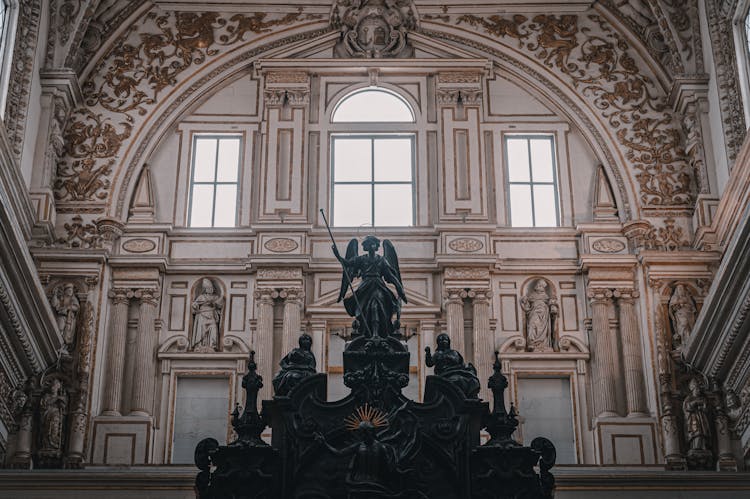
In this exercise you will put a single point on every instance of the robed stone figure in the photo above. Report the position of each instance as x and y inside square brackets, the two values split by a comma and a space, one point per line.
[372, 304]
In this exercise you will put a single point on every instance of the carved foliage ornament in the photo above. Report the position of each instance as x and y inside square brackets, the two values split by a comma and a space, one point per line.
[466, 244]
[373, 28]
[608, 245]
[600, 64]
[145, 60]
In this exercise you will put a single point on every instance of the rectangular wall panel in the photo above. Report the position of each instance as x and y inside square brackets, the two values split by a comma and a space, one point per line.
[237, 312]
[547, 411]
[569, 305]
[509, 311]
[201, 410]
[177, 312]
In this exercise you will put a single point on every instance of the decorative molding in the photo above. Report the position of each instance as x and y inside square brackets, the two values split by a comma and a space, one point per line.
[628, 100]
[466, 273]
[138, 245]
[607, 245]
[146, 60]
[727, 76]
[24, 54]
[466, 245]
[373, 29]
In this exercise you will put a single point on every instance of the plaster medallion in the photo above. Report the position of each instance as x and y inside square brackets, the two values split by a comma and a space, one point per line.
[138, 245]
[281, 245]
[608, 245]
[466, 245]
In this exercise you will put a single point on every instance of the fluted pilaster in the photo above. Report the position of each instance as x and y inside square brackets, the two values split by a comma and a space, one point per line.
[264, 338]
[145, 355]
[115, 367]
[603, 362]
[635, 385]
[484, 343]
[454, 316]
[292, 314]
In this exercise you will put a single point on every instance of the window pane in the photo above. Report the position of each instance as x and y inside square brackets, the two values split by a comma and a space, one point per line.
[229, 158]
[393, 158]
[226, 206]
[393, 205]
[352, 160]
[373, 106]
[541, 160]
[205, 160]
[518, 160]
[202, 206]
[352, 205]
[545, 209]
[520, 206]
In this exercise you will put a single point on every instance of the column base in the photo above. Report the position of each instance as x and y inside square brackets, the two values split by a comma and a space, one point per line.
[123, 440]
[676, 463]
[726, 463]
[625, 441]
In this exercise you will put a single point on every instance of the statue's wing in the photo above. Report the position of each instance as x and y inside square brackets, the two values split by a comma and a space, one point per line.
[389, 252]
[351, 253]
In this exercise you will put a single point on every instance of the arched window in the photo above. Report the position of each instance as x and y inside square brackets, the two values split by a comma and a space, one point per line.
[373, 169]
[373, 105]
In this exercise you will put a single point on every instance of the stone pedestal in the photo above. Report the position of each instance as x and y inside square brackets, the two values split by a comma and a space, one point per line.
[625, 441]
[121, 440]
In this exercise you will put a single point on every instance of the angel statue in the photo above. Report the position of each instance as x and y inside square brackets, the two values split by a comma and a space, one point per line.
[372, 304]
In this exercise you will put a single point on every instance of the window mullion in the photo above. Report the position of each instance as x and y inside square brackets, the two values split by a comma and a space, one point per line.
[372, 181]
[531, 183]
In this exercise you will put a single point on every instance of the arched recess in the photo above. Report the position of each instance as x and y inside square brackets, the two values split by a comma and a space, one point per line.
[526, 71]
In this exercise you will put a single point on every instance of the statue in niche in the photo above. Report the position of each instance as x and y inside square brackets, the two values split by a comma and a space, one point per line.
[540, 311]
[449, 364]
[52, 406]
[295, 366]
[66, 306]
[372, 304]
[682, 311]
[206, 308]
[697, 425]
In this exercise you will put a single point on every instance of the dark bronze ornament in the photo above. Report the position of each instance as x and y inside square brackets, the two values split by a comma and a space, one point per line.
[375, 443]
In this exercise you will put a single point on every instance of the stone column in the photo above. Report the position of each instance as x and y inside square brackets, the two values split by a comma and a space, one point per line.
[115, 366]
[264, 338]
[454, 312]
[484, 343]
[726, 461]
[318, 331]
[145, 355]
[292, 323]
[75, 455]
[22, 454]
[603, 355]
[635, 385]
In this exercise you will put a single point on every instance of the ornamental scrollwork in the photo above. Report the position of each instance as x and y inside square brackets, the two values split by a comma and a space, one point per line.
[599, 63]
[145, 60]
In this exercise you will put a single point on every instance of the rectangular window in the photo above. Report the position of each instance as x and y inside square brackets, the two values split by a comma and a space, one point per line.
[532, 182]
[373, 180]
[214, 182]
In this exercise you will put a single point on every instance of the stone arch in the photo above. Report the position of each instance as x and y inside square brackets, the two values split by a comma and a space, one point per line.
[614, 148]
